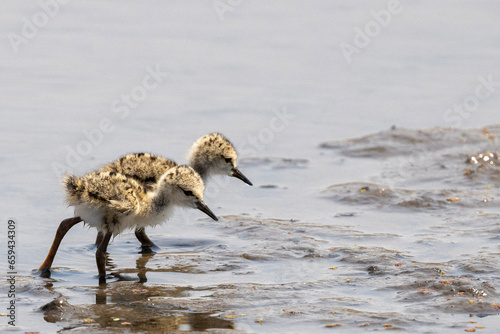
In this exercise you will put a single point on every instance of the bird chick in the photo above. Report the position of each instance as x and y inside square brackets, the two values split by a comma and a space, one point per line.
[112, 202]
[210, 155]
[214, 154]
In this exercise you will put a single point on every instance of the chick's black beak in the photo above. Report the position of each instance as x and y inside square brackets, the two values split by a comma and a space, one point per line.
[239, 175]
[204, 208]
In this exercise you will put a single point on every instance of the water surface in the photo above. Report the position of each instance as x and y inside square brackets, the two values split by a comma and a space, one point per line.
[370, 207]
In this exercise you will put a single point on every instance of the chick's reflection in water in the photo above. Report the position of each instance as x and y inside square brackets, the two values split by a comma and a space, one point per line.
[139, 309]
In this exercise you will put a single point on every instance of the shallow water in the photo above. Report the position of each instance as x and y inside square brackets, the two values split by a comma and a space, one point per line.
[351, 220]
[375, 254]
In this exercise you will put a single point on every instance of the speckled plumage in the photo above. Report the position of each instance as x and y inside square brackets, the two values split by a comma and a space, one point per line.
[104, 189]
[212, 154]
[112, 202]
[145, 168]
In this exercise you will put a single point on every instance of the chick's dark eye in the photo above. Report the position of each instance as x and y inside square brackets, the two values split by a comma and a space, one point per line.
[228, 160]
[187, 192]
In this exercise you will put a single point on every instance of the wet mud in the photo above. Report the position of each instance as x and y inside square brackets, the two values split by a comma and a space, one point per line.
[410, 242]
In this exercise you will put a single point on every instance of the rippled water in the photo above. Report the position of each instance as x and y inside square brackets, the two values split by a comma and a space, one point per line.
[415, 249]
[353, 222]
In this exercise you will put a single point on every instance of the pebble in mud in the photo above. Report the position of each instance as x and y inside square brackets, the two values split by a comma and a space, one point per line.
[57, 309]
[58, 304]
[374, 270]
